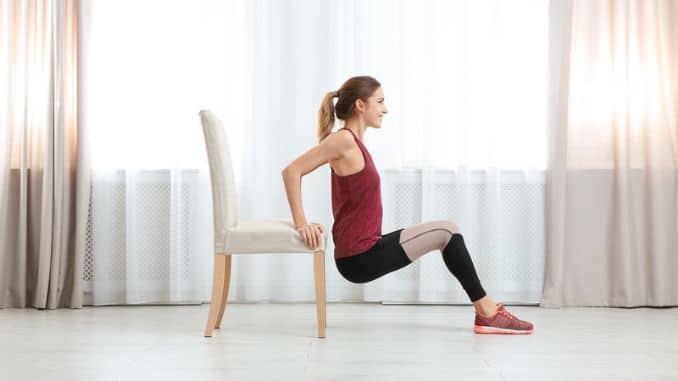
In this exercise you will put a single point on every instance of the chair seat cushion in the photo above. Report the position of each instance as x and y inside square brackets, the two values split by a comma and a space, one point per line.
[267, 236]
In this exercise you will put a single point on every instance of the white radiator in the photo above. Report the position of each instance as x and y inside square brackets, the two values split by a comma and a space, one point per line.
[147, 233]
[149, 237]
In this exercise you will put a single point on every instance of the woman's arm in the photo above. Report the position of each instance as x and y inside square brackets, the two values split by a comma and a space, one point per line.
[331, 148]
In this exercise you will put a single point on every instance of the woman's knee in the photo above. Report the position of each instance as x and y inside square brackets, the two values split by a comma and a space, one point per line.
[450, 226]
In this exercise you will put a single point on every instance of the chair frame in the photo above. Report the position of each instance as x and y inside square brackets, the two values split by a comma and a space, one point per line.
[225, 216]
[222, 278]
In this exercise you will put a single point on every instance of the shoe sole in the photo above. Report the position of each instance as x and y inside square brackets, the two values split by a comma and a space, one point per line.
[502, 331]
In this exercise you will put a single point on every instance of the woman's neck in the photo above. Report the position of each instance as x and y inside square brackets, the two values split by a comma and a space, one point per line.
[358, 127]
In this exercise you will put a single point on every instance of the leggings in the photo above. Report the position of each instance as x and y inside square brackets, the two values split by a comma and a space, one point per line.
[399, 248]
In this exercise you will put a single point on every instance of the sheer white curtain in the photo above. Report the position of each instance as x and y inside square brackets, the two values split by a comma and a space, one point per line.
[465, 138]
[147, 69]
[613, 163]
[465, 84]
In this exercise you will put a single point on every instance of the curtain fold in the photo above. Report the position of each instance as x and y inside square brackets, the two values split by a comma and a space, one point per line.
[613, 163]
[44, 186]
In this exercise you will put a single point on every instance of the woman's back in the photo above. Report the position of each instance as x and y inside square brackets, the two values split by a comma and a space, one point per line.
[352, 160]
[357, 208]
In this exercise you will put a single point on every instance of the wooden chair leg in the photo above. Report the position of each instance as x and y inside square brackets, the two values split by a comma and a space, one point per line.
[217, 290]
[224, 295]
[320, 298]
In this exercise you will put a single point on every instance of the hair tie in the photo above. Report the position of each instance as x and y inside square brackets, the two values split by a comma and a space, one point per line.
[336, 94]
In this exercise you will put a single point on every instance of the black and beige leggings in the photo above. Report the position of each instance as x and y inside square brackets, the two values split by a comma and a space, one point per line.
[398, 249]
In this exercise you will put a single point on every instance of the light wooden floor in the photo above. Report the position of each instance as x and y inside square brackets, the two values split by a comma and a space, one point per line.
[364, 341]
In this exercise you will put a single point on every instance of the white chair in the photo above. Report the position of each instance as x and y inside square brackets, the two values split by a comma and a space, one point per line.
[247, 237]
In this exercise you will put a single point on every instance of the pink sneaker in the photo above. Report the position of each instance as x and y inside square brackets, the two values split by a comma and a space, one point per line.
[503, 322]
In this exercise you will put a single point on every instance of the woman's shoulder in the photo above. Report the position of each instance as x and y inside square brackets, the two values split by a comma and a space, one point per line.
[340, 137]
[338, 144]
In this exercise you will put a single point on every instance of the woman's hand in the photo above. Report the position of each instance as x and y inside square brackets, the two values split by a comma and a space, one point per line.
[312, 234]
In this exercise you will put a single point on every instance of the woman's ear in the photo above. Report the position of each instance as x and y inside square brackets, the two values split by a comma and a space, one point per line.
[360, 105]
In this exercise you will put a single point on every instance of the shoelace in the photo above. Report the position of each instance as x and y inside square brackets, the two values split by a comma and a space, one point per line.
[504, 312]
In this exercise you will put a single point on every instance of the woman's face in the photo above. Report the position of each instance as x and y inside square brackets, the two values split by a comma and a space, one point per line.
[375, 109]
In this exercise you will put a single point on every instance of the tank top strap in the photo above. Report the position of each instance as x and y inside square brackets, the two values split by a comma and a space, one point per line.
[360, 144]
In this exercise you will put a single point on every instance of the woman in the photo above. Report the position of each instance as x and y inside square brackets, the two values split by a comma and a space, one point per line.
[362, 253]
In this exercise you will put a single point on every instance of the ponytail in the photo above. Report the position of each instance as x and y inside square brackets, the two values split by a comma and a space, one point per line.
[353, 89]
[326, 116]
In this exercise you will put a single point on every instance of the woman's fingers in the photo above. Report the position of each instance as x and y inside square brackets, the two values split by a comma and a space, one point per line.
[319, 235]
[304, 235]
[311, 237]
[312, 234]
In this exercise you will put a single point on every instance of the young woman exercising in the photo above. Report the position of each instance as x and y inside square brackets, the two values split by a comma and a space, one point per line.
[362, 253]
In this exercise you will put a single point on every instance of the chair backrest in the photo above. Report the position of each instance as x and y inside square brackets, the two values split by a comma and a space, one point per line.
[224, 198]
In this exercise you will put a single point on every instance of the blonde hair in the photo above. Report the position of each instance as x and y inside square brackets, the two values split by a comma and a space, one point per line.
[354, 88]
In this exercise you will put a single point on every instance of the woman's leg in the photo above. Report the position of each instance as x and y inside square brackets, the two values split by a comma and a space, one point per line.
[398, 249]
[444, 235]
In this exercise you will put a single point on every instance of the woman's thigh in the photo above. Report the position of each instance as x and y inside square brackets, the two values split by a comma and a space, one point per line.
[384, 257]
[420, 239]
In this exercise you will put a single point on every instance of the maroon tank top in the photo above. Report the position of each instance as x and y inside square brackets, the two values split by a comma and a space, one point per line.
[356, 205]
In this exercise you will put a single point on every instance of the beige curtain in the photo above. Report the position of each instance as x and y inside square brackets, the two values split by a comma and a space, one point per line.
[612, 225]
[44, 185]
